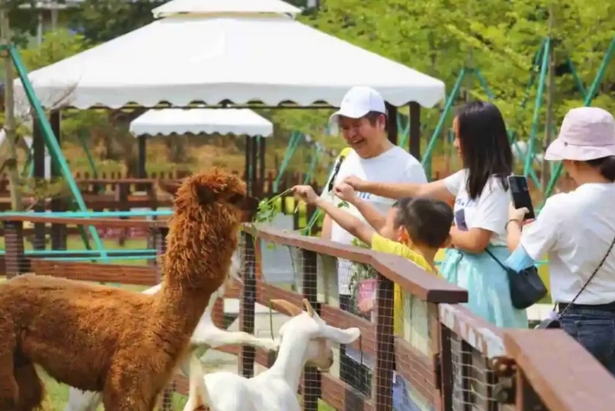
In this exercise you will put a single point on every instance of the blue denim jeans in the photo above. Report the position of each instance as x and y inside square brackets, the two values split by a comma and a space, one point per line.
[594, 330]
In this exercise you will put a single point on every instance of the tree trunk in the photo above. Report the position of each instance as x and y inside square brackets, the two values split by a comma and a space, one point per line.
[9, 117]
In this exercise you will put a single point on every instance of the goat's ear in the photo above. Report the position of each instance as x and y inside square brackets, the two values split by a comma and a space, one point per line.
[340, 336]
[308, 307]
[284, 307]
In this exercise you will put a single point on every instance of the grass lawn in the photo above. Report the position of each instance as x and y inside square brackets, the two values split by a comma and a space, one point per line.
[57, 397]
[76, 243]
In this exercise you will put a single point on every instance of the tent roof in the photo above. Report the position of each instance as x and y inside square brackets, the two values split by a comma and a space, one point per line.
[234, 58]
[201, 121]
[223, 6]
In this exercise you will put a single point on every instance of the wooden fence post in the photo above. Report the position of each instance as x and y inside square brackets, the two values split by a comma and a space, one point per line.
[311, 375]
[385, 346]
[13, 242]
[247, 355]
[160, 235]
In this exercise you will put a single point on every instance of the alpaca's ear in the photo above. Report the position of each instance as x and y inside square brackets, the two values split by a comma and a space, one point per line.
[170, 187]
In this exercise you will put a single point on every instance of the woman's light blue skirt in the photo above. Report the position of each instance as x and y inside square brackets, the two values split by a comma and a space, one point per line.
[487, 285]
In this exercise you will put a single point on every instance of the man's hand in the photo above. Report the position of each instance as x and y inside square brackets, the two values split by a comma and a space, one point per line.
[344, 192]
[305, 193]
[356, 183]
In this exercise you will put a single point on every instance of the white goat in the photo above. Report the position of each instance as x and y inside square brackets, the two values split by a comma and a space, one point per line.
[205, 336]
[303, 339]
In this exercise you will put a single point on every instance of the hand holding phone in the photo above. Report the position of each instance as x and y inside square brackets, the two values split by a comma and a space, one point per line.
[520, 195]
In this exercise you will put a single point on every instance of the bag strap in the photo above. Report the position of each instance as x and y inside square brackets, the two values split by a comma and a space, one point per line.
[496, 260]
[588, 280]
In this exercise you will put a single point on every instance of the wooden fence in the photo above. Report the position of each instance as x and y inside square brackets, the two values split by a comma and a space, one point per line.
[116, 192]
[445, 357]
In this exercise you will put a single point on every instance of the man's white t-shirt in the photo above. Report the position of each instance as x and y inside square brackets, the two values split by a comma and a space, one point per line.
[489, 211]
[393, 166]
[575, 230]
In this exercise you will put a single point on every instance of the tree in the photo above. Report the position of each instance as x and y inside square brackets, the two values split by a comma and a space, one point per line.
[439, 37]
[104, 20]
[57, 45]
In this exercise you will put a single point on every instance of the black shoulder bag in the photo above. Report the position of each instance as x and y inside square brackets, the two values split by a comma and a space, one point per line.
[526, 286]
[550, 323]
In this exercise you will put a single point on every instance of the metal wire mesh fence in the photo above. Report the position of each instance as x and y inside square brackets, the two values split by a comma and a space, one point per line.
[344, 294]
[414, 352]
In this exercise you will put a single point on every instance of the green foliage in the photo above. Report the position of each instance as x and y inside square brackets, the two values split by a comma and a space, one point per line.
[438, 37]
[268, 209]
[57, 45]
[23, 20]
[41, 189]
[104, 20]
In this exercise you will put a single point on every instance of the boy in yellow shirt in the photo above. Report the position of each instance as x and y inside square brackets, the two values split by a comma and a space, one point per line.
[420, 227]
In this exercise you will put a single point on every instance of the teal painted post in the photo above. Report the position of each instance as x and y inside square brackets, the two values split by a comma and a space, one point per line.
[447, 106]
[529, 156]
[52, 143]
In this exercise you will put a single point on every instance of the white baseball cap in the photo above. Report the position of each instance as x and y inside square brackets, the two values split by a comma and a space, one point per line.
[359, 101]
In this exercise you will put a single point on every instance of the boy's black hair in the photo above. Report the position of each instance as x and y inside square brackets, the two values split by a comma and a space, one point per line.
[428, 221]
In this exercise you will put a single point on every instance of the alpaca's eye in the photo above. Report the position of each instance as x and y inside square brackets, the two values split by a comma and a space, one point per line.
[235, 199]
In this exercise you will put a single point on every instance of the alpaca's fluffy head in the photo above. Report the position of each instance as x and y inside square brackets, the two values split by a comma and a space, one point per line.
[308, 324]
[209, 207]
[205, 188]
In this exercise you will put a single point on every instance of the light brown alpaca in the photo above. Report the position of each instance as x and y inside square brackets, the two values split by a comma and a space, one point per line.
[122, 343]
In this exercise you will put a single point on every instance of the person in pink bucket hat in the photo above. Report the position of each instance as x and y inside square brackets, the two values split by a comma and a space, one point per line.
[576, 231]
[587, 134]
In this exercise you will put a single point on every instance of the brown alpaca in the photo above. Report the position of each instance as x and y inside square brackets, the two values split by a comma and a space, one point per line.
[122, 343]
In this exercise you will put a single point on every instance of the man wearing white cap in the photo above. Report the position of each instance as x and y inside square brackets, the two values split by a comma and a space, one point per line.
[362, 118]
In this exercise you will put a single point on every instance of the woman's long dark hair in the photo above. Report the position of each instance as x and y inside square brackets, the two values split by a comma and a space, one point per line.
[484, 145]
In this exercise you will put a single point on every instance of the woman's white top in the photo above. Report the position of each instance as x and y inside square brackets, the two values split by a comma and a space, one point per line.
[489, 211]
[575, 231]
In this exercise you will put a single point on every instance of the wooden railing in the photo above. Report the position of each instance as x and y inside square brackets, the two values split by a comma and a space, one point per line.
[448, 358]
[116, 192]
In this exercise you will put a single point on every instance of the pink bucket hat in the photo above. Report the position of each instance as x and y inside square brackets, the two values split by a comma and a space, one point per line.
[587, 133]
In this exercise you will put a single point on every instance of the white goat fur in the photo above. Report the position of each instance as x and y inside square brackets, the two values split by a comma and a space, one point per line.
[205, 336]
[304, 339]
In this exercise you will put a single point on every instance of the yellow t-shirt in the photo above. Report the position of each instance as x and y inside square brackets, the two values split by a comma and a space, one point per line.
[384, 245]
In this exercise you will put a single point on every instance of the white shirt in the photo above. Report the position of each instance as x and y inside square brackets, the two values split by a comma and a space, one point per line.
[575, 230]
[393, 166]
[489, 211]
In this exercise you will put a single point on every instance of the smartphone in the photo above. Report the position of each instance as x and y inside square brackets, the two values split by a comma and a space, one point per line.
[520, 194]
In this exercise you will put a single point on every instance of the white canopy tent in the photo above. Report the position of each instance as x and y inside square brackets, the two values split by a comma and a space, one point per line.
[227, 53]
[170, 121]
[216, 51]
[201, 121]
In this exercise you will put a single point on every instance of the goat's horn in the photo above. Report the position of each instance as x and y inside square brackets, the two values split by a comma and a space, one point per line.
[308, 307]
[285, 307]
